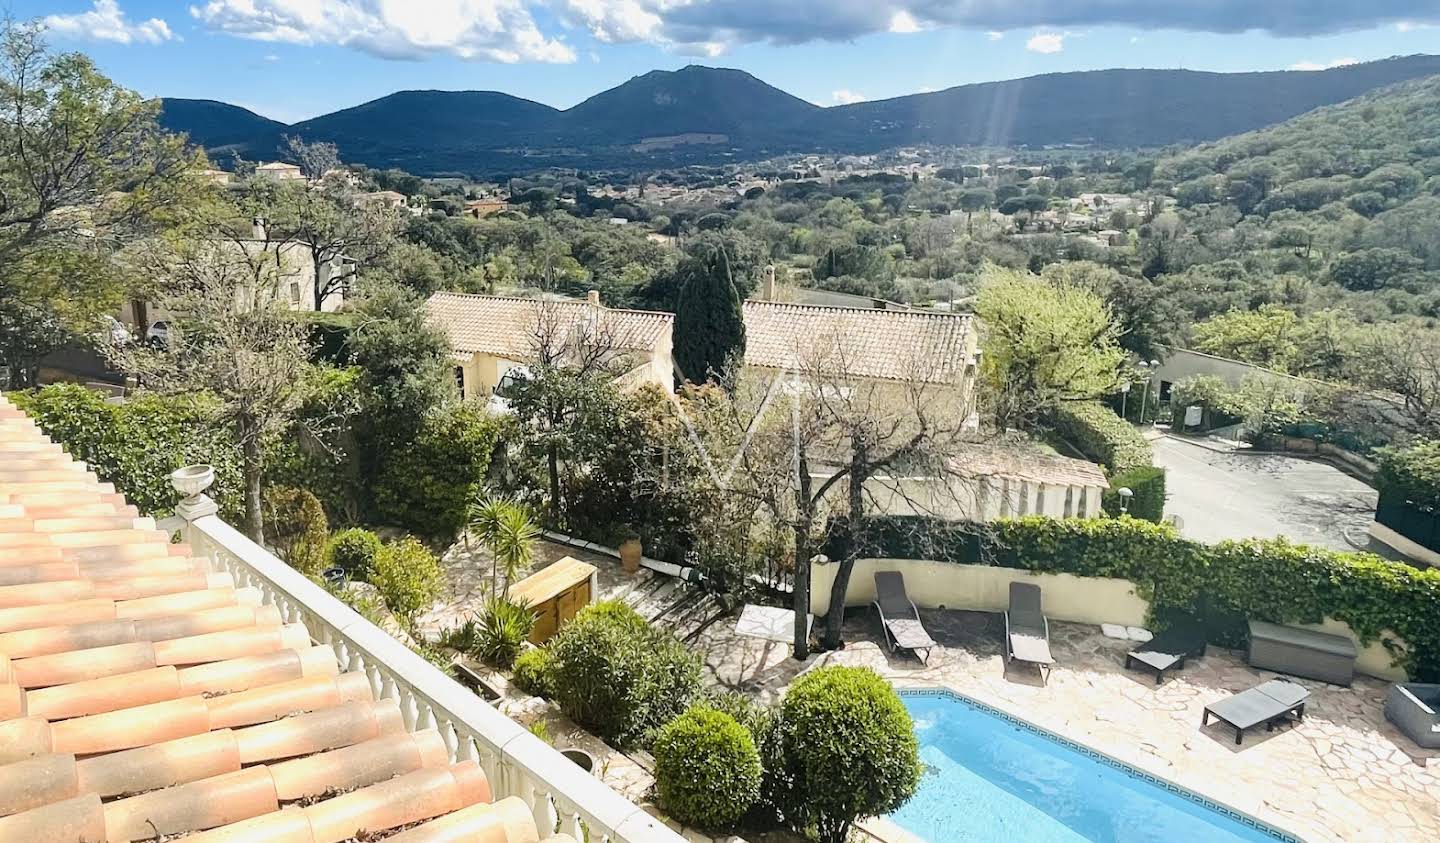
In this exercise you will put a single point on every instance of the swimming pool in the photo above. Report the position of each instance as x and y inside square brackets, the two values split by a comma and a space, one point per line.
[989, 777]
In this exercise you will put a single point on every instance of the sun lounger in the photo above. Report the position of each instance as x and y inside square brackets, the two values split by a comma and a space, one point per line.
[899, 619]
[1027, 632]
[1168, 650]
[1268, 703]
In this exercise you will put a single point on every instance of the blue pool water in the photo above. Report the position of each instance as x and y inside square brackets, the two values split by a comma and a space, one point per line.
[988, 778]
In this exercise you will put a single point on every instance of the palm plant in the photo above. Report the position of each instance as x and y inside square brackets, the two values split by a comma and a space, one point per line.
[501, 630]
[508, 531]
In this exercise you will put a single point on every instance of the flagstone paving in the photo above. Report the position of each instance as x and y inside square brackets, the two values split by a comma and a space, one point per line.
[1343, 774]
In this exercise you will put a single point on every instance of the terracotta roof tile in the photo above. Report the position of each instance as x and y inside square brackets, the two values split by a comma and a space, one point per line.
[507, 327]
[858, 343]
[141, 693]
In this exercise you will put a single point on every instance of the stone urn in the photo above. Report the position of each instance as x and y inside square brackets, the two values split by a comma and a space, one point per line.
[191, 480]
[630, 552]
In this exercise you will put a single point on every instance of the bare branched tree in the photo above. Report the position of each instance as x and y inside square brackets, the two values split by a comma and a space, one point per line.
[834, 430]
[233, 336]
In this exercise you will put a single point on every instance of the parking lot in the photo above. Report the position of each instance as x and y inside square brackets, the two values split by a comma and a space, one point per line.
[1234, 495]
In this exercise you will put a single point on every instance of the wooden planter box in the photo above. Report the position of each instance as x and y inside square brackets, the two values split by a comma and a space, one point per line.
[555, 594]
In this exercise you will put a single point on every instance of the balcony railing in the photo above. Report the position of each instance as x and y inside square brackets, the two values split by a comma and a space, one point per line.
[562, 796]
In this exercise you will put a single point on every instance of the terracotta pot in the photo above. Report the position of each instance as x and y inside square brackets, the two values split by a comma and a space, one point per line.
[630, 553]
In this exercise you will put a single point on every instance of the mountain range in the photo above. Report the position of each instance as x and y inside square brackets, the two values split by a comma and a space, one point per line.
[699, 114]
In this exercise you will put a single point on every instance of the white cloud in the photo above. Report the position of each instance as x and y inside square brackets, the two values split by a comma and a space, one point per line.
[904, 22]
[994, 35]
[106, 22]
[1411, 26]
[846, 97]
[481, 30]
[925, 89]
[1046, 42]
[1317, 65]
[271, 57]
[1134, 39]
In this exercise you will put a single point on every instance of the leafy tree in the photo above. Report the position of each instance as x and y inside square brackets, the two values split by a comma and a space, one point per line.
[1372, 269]
[404, 361]
[1045, 344]
[237, 340]
[1266, 337]
[84, 169]
[849, 748]
[709, 325]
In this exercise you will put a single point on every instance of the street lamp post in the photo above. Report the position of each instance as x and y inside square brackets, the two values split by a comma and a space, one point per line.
[1124, 395]
[1125, 496]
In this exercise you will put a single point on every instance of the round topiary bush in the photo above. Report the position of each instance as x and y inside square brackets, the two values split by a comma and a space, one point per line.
[849, 750]
[296, 525]
[532, 672]
[353, 550]
[707, 770]
[408, 577]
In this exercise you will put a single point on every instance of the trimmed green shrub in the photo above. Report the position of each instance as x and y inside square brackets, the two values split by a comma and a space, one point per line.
[1270, 580]
[426, 484]
[1148, 502]
[1411, 474]
[620, 677]
[408, 577]
[501, 630]
[849, 749]
[296, 526]
[532, 671]
[707, 770]
[354, 550]
[763, 724]
[1102, 436]
[136, 445]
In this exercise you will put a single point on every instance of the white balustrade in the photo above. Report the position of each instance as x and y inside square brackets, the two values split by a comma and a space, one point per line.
[564, 797]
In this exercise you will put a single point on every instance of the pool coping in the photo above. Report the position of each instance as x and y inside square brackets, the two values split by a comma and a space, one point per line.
[1105, 758]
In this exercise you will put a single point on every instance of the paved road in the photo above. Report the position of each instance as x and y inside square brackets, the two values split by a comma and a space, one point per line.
[1237, 495]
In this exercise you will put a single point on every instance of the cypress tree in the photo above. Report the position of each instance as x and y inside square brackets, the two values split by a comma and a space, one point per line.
[709, 322]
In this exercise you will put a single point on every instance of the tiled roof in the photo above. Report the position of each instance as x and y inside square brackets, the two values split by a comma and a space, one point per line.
[143, 695]
[508, 327]
[857, 343]
[1017, 463]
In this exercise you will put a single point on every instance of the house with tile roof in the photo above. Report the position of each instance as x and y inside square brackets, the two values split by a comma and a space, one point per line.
[491, 336]
[204, 689]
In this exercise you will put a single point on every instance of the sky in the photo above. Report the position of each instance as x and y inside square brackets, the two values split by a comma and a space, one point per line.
[294, 59]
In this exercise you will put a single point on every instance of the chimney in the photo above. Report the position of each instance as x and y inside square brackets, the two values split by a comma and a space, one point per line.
[593, 297]
[767, 286]
[257, 228]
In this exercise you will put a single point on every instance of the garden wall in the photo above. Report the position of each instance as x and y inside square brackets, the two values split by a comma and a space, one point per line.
[986, 588]
[1067, 597]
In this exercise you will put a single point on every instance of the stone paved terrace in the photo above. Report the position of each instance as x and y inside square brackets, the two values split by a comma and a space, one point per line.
[1343, 775]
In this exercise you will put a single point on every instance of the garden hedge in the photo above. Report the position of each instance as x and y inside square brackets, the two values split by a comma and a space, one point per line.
[426, 484]
[1412, 474]
[1223, 584]
[1102, 436]
[618, 676]
[136, 444]
[1148, 502]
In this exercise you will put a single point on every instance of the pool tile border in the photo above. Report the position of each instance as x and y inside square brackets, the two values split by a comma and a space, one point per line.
[1110, 761]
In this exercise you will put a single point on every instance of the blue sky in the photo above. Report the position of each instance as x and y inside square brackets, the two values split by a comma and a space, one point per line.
[293, 59]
